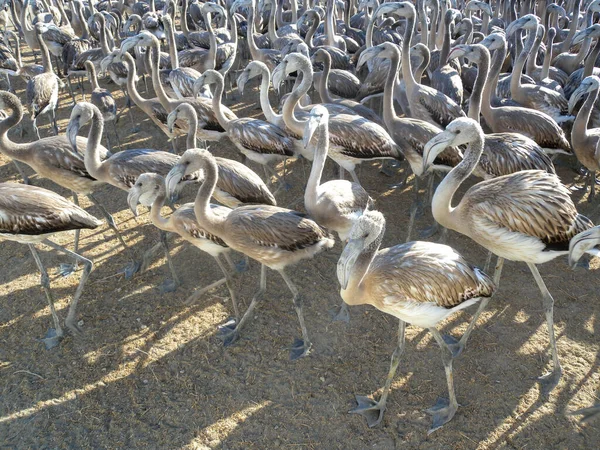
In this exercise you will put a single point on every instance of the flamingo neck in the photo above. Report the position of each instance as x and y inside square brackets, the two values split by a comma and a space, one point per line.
[483, 71]
[289, 106]
[91, 159]
[320, 155]
[217, 106]
[7, 146]
[441, 204]
[324, 81]
[265, 103]
[157, 220]
[389, 114]
[206, 218]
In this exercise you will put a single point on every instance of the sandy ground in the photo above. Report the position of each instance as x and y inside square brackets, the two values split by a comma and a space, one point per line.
[149, 372]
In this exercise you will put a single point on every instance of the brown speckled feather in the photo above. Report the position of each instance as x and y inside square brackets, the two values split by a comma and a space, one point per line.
[425, 272]
[261, 137]
[271, 226]
[506, 202]
[32, 210]
[240, 182]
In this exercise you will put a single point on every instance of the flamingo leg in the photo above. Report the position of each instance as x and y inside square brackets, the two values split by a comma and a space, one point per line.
[371, 410]
[229, 282]
[87, 269]
[548, 381]
[458, 347]
[230, 331]
[134, 266]
[443, 411]
[169, 285]
[21, 173]
[55, 334]
[66, 269]
[301, 347]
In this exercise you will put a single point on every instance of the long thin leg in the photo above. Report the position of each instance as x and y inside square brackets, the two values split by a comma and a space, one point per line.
[355, 177]
[21, 173]
[66, 269]
[87, 268]
[170, 287]
[301, 347]
[443, 411]
[53, 123]
[550, 380]
[229, 282]
[114, 123]
[54, 336]
[134, 266]
[110, 220]
[414, 208]
[370, 409]
[230, 332]
[35, 128]
[457, 347]
[592, 177]
[71, 90]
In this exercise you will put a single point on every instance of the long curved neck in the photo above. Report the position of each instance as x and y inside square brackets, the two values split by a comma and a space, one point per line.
[311, 31]
[265, 103]
[92, 160]
[547, 59]
[7, 146]
[103, 38]
[190, 141]
[172, 45]
[445, 51]
[352, 295]
[204, 214]
[369, 32]
[329, 28]
[320, 151]
[289, 106]
[184, 25]
[92, 75]
[17, 48]
[46, 61]
[515, 80]
[157, 220]
[483, 70]
[490, 86]
[84, 25]
[217, 106]
[441, 204]
[580, 127]
[407, 74]
[254, 50]
[271, 24]
[324, 81]
[163, 98]
[590, 61]
[423, 23]
[212, 38]
[433, 25]
[389, 114]
[566, 45]
[131, 75]
[531, 61]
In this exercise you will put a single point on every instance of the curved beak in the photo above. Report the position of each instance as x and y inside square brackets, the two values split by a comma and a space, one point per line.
[173, 178]
[127, 44]
[575, 97]
[347, 260]
[242, 80]
[367, 56]
[514, 26]
[133, 200]
[581, 36]
[584, 242]
[386, 8]
[278, 75]
[309, 129]
[434, 147]
[197, 87]
[171, 119]
[456, 52]
[72, 131]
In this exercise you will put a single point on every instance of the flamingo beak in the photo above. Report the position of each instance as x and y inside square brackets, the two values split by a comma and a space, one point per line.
[434, 147]
[347, 260]
[133, 199]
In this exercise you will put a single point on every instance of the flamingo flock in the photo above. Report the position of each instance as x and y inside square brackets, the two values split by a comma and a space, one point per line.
[432, 89]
